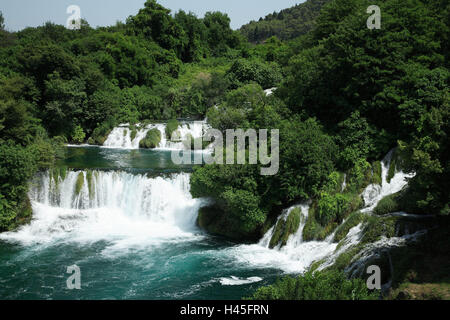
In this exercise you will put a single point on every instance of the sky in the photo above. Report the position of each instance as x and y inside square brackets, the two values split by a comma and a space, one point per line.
[19, 14]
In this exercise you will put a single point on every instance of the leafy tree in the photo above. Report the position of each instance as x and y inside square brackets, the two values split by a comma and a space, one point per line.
[155, 22]
[2, 21]
[244, 71]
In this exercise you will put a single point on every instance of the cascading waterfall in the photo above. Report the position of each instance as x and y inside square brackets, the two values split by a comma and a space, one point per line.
[297, 255]
[375, 192]
[120, 137]
[148, 224]
[98, 205]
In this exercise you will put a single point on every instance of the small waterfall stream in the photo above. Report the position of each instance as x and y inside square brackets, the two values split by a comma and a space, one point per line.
[120, 137]
[297, 255]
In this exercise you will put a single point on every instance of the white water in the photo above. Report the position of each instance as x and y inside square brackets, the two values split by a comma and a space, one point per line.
[374, 192]
[236, 281]
[270, 91]
[120, 137]
[128, 210]
[297, 256]
[374, 250]
[132, 211]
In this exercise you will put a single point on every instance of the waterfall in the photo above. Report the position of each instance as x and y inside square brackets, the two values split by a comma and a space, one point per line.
[297, 256]
[98, 205]
[120, 137]
[375, 192]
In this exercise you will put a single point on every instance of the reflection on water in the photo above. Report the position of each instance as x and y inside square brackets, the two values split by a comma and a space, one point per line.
[105, 158]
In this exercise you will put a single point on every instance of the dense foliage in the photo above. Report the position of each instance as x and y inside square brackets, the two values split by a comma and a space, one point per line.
[76, 85]
[331, 285]
[369, 89]
[286, 25]
[346, 96]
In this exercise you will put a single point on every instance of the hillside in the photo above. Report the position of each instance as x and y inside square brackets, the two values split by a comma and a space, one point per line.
[286, 24]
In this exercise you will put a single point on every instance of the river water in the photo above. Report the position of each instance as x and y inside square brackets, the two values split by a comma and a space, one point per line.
[131, 229]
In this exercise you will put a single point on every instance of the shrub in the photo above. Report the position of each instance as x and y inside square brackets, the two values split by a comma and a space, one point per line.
[171, 127]
[334, 208]
[377, 172]
[133, 132]
[387, 205]
[151, 140]
[319, 285]
[78, 134]
[378, 227]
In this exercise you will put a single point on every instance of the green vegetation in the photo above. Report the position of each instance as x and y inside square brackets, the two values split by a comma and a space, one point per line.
[151, 140]
[330, 285]
[352, 221]
[133, 132]
[345, 96]
[286, 228]
[79, 184]
[387, 205]
[171, 128]
[286, 24]
[90, 184]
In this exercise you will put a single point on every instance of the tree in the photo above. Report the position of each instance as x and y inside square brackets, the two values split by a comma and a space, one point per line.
[2, 21]
[155, 22]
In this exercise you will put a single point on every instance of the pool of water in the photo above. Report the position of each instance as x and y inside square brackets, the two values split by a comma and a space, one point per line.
[132, 236]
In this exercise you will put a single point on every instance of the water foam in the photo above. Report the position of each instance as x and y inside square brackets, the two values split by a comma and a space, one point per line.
[375, 192]
[120, 137]
[236, 281]
[125, 209]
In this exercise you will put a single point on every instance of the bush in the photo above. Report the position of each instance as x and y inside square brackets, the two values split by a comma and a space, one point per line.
[151, 140]
[78, 135]
[319, 285]
[244, 71]
[133, 133]
[335, 208]
[244, 205]
[378, 227]
[171, 127]
[387, 205]
[100, 134]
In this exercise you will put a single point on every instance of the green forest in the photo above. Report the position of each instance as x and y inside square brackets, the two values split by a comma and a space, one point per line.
[287, 24]
[346, 95]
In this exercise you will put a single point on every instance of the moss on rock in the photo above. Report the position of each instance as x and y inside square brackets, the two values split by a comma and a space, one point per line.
[79, 183]
[133, 133]
[378, 227]
[89, 178]
[352, 221]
